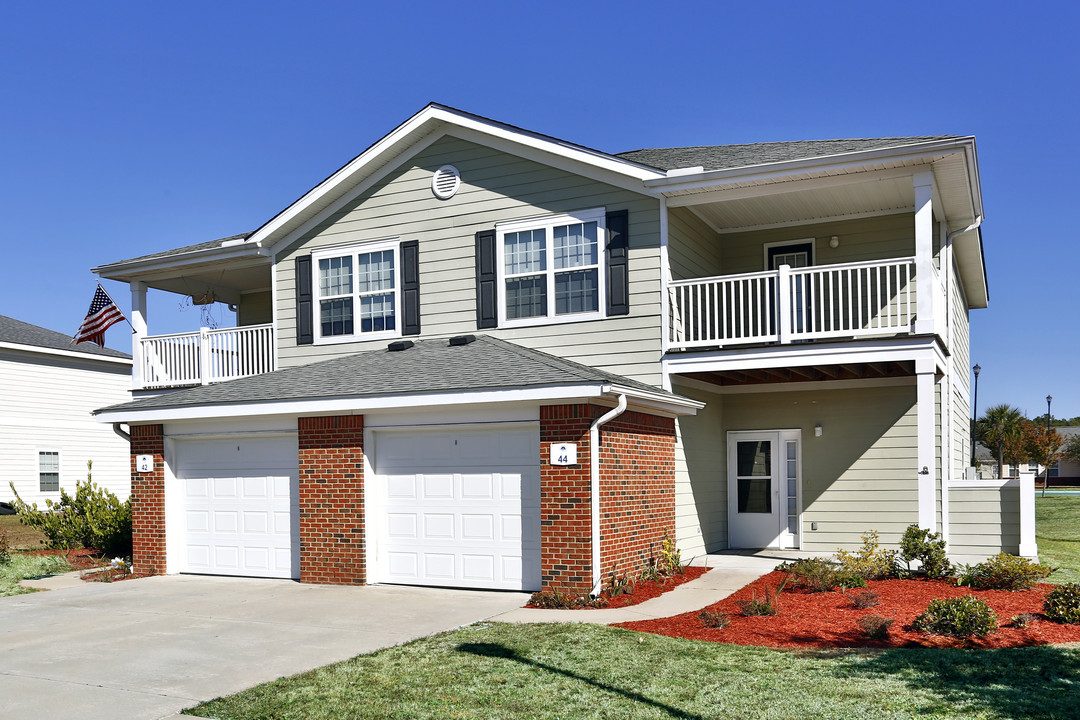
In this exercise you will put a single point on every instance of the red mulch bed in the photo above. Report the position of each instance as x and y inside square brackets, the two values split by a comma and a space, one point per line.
[827, 620]
[646, 590]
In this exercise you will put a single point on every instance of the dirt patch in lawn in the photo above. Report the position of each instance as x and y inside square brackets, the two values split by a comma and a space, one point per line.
[829, 620]
[19, 536]
[643, 590]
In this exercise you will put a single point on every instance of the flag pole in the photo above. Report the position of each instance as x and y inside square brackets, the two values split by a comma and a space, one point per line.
[114, 303]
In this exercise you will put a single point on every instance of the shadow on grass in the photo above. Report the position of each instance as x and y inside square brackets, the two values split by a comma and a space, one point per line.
[501, 652]
[1030, 682]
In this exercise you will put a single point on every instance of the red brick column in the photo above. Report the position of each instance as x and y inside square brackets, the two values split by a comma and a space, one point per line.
[332, 500]
[148, 501]
[637, 490]
[565, 503]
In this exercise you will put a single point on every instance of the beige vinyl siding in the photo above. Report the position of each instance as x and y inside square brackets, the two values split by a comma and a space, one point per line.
[254, 309]
[984, 521]
[961, 381]
[693, 248]
[496, 187]
[861, 473]
[875, 238]
[939, 462]
[700, 492]
[47, 404]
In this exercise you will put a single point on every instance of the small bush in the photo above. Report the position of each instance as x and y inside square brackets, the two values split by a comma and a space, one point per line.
[670, 560]
[767, 606]
[619, 585]
[1062, 604]
[650, 573]
[1022, 620]
[93, 518]
[870, 562]
[713, 619]
[815, 574]
[875, 626]
[865, 599]
[928, 548]
[845, 580]
[557, 600]
[1004, 572]
[960, 617]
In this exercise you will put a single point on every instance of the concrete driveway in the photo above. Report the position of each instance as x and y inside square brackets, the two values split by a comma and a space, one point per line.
[151, 647]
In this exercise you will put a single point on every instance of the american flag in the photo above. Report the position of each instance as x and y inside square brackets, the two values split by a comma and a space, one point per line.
[103, 315]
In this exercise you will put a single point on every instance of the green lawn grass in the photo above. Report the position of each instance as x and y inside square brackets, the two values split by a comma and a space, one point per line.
[549, 672]
[1057, 533]
[20, 567]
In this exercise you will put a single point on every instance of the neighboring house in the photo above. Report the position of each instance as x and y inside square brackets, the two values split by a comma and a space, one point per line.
[49, 388]
[750, 346]
[1066, 471]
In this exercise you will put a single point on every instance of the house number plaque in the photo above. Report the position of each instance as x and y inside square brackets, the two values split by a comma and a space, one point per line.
[564, 453]
[144, 463]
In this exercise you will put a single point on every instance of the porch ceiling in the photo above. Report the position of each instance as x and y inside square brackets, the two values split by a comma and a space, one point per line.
[809, 373]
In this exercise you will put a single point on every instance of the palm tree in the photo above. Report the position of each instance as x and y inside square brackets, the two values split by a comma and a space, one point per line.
[1001, 425]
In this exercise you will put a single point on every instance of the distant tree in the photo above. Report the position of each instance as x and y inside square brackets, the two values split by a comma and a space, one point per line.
[1001, 428]
[1044, 447]
[1072, 449]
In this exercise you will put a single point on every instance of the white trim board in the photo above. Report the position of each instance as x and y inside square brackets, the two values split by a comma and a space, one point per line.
[793, 386]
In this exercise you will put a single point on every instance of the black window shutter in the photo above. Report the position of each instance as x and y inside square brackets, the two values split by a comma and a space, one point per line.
[617, 256]
[410, 287]
[305, 310]
[487, 281]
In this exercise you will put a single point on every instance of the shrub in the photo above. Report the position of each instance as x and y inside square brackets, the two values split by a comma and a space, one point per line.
[1062, 604]
[815, 574]
[928, 548]
[865, 599]
[845, 580]
[93, 518]
[556, 600]
[670, 560]
[619, 585]
[1004, 572]
[713, 619]
[875, 626]
[961, 617]
[870, 562]
[5, 555]
[1023, 620]
[766, 606]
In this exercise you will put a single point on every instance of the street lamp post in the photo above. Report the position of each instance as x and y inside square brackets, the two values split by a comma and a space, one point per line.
[1046, 475]
[974, 413]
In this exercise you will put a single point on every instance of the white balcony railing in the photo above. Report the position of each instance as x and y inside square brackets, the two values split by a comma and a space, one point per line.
[786, 305]
[206, 356]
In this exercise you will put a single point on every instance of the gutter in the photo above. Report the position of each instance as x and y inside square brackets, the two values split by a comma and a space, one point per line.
[594, 471]
[973, 226]
[120, 431]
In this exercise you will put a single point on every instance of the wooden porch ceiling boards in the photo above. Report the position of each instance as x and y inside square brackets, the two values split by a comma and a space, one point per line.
[810, 373]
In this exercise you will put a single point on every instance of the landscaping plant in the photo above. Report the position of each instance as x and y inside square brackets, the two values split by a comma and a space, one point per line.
[1022, 620]
[556, 600]
[1062, 604]
[961, 617]
[713, 619]
[92, 518]
[5, 548]
[1004, 572]
[865, 599]
[814, 574]
[871, 561]
[928, 548]
[875, 626]
[767, 606]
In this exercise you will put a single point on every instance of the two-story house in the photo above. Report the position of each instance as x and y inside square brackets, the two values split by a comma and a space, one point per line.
[480, 356]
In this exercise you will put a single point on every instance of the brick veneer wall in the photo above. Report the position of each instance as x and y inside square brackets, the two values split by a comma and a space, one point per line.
[637, 490]
[565, 509]
[148, 501]
[332, 500]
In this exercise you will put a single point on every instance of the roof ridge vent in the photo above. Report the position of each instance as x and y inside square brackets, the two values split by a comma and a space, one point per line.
[445, 182]
[458, 340]
[399, 345]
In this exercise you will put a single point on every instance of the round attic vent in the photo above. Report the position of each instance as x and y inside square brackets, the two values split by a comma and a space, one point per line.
[445, 182]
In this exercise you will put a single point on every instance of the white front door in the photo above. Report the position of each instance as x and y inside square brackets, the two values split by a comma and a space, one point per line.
[764, 483]
[233, 507]
[459, 508]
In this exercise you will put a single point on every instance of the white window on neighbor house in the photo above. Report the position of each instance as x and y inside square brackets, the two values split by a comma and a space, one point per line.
[1055, 470]
[356, 292]
[1033, 467]
[551, 268]
[49, 471]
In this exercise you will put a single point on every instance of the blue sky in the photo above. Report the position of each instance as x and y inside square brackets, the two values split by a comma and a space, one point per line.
[130, 128]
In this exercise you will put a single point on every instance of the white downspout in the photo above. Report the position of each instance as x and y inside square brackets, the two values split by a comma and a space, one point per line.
[594, 471]
[969, 228]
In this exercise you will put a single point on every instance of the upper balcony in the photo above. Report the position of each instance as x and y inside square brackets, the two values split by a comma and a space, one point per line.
[204, 357]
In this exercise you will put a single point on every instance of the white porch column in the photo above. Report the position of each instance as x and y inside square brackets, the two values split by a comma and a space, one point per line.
[1028, 548]
[925, 292]
[138, 324]
[927, 470]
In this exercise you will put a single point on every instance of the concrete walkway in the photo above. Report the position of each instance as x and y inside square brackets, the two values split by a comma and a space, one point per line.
[730, 572]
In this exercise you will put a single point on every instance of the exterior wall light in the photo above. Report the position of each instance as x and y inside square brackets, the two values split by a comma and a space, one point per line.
[818, 430]
[834, 242]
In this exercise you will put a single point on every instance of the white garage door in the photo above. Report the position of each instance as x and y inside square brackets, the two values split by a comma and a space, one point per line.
[234, 507]
[459, 508]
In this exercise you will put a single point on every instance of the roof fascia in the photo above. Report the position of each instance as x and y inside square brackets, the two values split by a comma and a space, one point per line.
[63, 353]
[432, 119]
[123, 270]
[665, 402]
[841, 162]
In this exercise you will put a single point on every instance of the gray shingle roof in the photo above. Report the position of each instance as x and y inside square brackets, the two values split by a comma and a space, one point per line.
[208, 245]
[21, 333]
[724, 157]
[428, 366]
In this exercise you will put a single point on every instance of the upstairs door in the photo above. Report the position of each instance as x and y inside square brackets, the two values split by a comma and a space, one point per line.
[764, 487]
[794, 255]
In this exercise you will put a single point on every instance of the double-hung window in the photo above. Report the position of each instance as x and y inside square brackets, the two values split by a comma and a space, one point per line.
[356, 292]
[49, 471]
[551, 268]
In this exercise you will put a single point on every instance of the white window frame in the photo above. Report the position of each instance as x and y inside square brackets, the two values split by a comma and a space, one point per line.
[59, 479]
[781, 243]
[550, 222]
[353, 251]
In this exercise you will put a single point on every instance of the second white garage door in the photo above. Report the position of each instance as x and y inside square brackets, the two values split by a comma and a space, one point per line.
[233, 508]
[459, 508]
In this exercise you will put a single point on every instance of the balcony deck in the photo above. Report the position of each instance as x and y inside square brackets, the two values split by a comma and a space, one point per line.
[206, 356]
